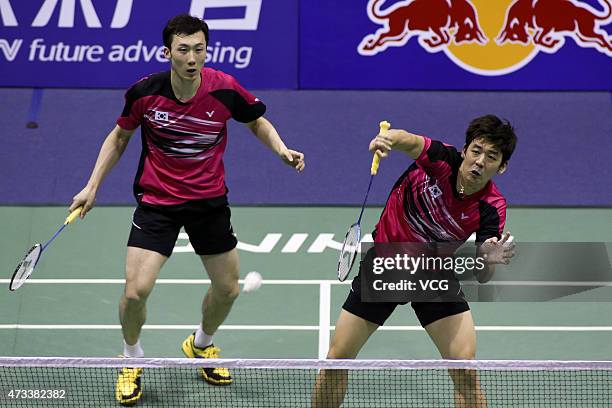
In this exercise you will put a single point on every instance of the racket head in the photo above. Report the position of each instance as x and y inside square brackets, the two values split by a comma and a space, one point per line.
[25, 267]
[348, 253]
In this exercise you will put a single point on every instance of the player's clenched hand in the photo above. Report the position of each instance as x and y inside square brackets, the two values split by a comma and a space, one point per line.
[86, 198]
[293, 158]
[381, 145]
[498, 251]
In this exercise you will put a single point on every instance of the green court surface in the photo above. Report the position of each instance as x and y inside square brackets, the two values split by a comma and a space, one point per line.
[69, 308]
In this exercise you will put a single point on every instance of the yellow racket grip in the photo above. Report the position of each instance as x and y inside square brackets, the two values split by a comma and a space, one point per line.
[384, 126]
[375, 162]
[73, 215]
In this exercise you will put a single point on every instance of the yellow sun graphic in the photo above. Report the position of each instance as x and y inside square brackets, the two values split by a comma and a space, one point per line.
[491, 58]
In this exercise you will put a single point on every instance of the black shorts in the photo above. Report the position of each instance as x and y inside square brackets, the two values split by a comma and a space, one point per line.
[379, 312]
[207, 223]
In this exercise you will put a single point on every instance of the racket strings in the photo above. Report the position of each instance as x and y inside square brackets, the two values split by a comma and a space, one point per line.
[28, 263]
[25, 267]
[349, 251]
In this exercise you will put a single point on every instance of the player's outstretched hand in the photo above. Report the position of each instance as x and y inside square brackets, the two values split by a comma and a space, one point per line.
[498, 251]
[293, 158]
[86, 198]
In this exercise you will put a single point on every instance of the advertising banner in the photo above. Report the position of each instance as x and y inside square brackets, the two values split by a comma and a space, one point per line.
[111, 44]
[457, 44]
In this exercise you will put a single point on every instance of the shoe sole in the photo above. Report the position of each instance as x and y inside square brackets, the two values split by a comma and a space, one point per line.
[132, 401]
[188, 352]
[212, 381]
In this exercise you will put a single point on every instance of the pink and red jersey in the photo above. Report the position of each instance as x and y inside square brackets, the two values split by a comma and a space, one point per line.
[183, 142]
[424, 205]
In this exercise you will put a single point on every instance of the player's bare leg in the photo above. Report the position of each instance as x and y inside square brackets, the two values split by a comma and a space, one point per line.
[223, 270]
[455, 338]
[224, 289]
[350, 335]
[142, 267]
[141, 270]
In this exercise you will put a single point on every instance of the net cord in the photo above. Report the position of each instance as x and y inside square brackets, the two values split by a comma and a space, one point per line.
[88, 362]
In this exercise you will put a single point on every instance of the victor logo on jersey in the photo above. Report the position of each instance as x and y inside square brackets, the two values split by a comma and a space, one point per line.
[435, 191]
[162, 116]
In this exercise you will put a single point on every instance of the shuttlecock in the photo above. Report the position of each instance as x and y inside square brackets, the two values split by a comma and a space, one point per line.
[509, 241]
[252, 281]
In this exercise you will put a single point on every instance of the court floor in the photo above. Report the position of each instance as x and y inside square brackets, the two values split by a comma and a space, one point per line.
[69, 308]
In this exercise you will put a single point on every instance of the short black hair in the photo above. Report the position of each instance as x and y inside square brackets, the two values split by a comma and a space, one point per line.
[184, 24]
[494, 130]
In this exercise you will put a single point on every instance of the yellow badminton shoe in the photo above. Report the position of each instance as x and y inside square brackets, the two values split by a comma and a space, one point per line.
[128, 388]
[214, 376]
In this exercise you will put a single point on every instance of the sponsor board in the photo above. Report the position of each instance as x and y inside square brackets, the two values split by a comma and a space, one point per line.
[462, 44]
[93, 43]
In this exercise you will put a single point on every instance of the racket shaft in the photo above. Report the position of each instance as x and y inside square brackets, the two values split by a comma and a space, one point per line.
[365, 200]
[73, 216]
[54, 236]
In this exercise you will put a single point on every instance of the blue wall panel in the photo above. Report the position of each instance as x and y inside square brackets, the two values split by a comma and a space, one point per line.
[562, 157]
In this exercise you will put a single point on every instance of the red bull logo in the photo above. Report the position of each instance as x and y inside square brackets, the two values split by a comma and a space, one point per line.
[485, 37]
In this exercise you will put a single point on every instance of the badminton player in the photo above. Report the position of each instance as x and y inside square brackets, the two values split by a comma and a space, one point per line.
[444, 196]
[183, 115]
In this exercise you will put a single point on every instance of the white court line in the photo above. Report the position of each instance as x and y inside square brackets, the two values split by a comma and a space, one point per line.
[324, 316]
[307, 282]
[295, 327]
[514, 328]
[539, 283]
[324, 319]
[149, 327]
[179, 281]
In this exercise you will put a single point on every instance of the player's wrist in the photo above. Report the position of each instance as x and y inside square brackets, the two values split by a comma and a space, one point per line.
[402, 140]
[281, 150]
[486, 274]
[92, 188]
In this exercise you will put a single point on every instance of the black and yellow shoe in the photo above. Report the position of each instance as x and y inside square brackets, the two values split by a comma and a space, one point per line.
[214, 376]
[128, 389]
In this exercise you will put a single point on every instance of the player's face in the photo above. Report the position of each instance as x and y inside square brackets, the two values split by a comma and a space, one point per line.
[481, 161]
[187, 54]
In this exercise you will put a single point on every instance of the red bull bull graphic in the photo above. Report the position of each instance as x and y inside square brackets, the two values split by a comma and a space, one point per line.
[435, 22]
[488, 38]
[546, 23]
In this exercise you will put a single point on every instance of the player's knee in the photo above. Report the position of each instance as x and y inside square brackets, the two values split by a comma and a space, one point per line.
[137, 289]
[135, 296]
[228, 291]
[337, 351]
[132, 299]
[465, 351]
